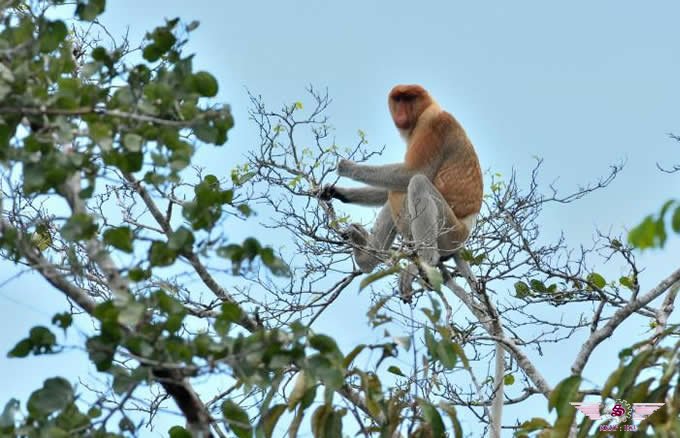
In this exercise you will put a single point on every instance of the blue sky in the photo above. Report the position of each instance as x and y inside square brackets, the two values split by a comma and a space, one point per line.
[581, 84]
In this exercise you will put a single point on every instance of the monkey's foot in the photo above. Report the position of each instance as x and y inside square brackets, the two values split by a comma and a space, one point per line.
[356, 234]
[364, 255]
[406, 278]
[428, 256]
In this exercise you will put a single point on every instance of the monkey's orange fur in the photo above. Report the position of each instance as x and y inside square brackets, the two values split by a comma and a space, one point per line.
[436, 140]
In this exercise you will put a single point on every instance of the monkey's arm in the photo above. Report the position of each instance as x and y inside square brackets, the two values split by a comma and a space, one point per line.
[389, 176]
[369, 196]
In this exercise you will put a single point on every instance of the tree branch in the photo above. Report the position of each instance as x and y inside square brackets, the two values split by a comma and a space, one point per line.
[617, 318]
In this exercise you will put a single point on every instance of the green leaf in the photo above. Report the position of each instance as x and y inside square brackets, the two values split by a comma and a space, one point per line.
[251, 248]
[597, 280]
[395, 370]
[21, 349]
[237, 419]
[131, 314]
[534, 424]
[231, 312]
[54, 396]
[62, 320]
[7, 419]
[522, 289]
[433, 276]
[333, 427]
[561, 398]
[432, 417]
[372, 314]
[123, 381]
[446, 354]
[120, 238]
[139, 274]
[632, 370]
[126, 425]
[675, 221]
[451, 412]
[431, 344]
[205, 84]
[181, 240]
[299, 390]
[538, 286]
[508, 380]
[132, 142]
[275, 264]
[627, 282]
[319, 419]
[461, 354]
[179, 432]
[42, 339]
[324, 344]
[269, 419]
[378, 275]
[206, 132]
[80, 226]
[565, 392]
[352, 355]
[643, 236]
[52, 35]
[161, 255]
[88, 10]
[326, 371]
[163, 39]
[152, 53]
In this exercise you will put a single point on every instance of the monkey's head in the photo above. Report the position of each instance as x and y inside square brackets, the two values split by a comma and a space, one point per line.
[407, 103]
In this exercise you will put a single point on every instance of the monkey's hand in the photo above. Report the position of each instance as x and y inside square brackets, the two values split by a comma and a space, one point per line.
[346, 167]
[325, 193]
[329, 191]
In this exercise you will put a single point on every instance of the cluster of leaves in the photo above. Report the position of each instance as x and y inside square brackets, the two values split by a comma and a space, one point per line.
[652, 232]
[593, 281]
[260, 360]
[117, 104]
[647, 373]
[69, 109]
[53, 412]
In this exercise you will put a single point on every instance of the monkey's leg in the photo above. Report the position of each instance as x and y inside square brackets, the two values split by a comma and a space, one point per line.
[366, 245]
[434, 226]
[406, 279]
[424, 216]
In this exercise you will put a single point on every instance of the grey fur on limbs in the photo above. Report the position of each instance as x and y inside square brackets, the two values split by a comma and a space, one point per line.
[426, 215]
[388, 176]
[427, 211]
[379, 240]
[369, 196]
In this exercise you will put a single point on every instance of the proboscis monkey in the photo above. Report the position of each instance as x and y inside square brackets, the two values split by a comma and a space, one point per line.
[432, 198]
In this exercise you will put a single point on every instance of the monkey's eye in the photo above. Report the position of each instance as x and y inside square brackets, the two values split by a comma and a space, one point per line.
[403, 98]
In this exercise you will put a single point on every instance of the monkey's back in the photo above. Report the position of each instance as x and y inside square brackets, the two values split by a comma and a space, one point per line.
[459, 180]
